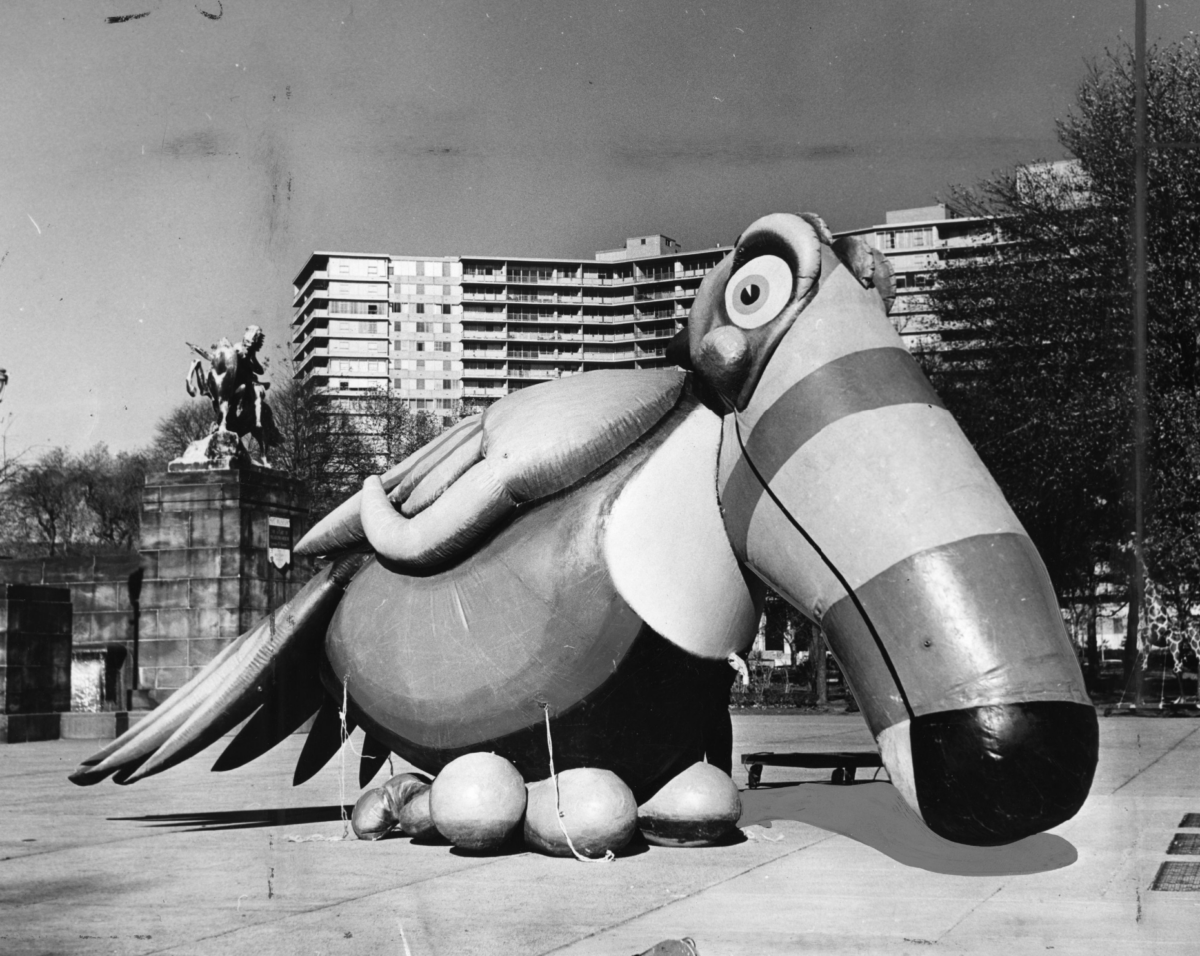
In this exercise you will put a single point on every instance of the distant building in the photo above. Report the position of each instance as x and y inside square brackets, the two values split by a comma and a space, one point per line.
[438, 331]
[441, 331]
[918, 242]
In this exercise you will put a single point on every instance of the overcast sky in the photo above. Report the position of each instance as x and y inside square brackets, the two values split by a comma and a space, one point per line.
[163, 177]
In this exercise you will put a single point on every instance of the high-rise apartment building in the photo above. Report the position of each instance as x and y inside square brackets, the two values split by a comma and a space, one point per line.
[437, 331]
[442, 330]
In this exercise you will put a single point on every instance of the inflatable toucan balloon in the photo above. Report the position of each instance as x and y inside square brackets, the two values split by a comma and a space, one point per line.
[591, 549]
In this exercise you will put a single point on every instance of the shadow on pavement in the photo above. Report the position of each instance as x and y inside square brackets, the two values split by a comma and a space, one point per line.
[244, 819]
[876, 815]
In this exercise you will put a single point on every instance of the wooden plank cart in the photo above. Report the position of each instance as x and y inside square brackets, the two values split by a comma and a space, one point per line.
[844, 763]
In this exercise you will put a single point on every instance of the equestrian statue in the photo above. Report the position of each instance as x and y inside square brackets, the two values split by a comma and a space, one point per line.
[232, 385]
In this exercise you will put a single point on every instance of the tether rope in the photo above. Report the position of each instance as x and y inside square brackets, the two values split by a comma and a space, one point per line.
[609, 856]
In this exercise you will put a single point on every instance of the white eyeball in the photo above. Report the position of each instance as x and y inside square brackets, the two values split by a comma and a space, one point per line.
[758, 291]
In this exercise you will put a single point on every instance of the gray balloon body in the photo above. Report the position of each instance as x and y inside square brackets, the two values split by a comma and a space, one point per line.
[831, 471]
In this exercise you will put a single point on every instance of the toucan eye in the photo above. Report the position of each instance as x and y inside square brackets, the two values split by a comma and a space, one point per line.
[758, 291]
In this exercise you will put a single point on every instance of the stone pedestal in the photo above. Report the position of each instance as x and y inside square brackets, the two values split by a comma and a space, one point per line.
[204, 546]
[35, 661]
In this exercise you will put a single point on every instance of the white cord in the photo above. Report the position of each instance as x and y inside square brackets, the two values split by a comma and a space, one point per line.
[609, 856]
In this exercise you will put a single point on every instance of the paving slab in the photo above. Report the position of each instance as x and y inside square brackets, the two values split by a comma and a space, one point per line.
[191, 862]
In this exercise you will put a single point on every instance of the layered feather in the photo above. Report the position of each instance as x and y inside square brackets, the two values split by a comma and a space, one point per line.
[281, 652]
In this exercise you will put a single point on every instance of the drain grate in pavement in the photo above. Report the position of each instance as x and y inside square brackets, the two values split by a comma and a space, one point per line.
[1178, 877]
[1185, 844]
[1190, 820]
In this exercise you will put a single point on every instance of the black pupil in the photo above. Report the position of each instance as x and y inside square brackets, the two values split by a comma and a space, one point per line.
[749, 294]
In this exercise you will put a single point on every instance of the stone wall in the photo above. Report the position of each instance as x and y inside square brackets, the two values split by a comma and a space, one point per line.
[102, 589]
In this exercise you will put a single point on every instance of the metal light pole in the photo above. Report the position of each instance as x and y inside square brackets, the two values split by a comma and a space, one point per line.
[1141, 424]
[1142, 148]
[4, 435]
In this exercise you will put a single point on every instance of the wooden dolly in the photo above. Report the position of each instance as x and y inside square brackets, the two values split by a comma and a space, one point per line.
[844, 763]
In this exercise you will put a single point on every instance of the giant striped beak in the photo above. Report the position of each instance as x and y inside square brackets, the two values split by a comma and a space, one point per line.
[849, 488]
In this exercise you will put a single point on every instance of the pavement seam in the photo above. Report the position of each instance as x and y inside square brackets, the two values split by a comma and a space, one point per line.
[962, 919]
[327, 906]
[1182, 740]
[671, 902]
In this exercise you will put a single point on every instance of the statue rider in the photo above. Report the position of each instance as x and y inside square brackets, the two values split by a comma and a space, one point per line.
[255, 391]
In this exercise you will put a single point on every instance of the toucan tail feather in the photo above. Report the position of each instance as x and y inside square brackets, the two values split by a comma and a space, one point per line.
[278, 652]
[324, 740]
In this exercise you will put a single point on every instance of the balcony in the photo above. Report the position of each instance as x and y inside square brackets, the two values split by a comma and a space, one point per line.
[550, 298]
[309, 324]
[484, 392]
[358, 352]
[484, 373]
[298, 292]
[308, 362]
[593, 280]
[623, 319]
[519, 277]
[545, 356]
[665, 294]
[481, 334]
[542, 336]
[496, 355]
[540, 373]
[609, 356]
[626, 337]
[608, 300]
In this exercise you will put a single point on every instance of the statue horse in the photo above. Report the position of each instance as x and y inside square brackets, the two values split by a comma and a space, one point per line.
[579, 560]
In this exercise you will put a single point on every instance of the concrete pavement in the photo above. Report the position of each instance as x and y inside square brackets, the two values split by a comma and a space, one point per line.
[191, 862]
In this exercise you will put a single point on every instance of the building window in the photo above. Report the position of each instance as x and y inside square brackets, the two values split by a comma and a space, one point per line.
[447, 384]
[420, 308]
[908, 238]
[441, 346]
[396, 327]
[343, 384]
[445, 310]
[356, 308]
[422, 326]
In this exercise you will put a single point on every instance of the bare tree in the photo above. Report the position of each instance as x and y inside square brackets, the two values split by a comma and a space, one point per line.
[184, 424]
[48, 498]
[113, 494]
